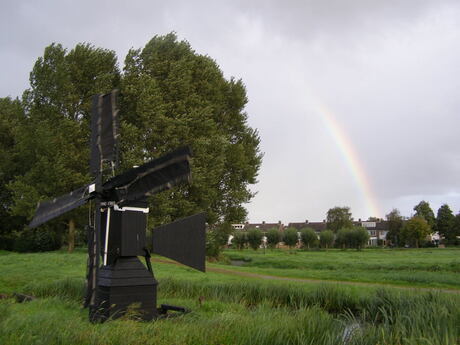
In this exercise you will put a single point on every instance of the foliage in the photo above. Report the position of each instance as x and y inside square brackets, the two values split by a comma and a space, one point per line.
[216, 238]
[445, 222]
[344, 238]
[290, 237]
[338, 218]
[172, 96]
[355, 237]
[240, 239]
[11, 118]
[169, 97]
[37, 240]
[395, 224]
[415, 230]
[273, 237]
[326, 238]
[308, 237]
[254, 238]
[360, 237]
[52, 143]
[423, 209]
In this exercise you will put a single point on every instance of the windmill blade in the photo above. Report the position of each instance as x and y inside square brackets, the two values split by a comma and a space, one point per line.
[183, 241]
[150, 178]
[50, 209]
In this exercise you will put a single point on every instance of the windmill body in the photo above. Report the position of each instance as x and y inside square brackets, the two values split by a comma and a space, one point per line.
[117, 281]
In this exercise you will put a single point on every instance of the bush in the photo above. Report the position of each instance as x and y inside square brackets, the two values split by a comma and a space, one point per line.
[344, 238]
[290, 237]
[240, 239]
[326, 238]
[37, 240]
[308, 237]
[254, 238]
[273, 237]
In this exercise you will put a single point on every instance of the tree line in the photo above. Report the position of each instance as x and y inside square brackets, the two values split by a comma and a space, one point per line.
[306, 238]
[169, 96]
[342, 233]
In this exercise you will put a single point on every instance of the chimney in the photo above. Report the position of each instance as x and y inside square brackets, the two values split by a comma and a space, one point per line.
[263, 222]
[324, 220]
[306, 221]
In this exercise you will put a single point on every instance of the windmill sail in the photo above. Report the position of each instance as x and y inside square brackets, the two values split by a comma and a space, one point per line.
[50, 209]
[150, 178]
[103, 130]
[183, 241]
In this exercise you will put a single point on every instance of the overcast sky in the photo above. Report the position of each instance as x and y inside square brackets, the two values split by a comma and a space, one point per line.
[357, 102]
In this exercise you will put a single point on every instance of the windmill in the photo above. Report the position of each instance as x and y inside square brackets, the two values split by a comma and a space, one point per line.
[116, 279]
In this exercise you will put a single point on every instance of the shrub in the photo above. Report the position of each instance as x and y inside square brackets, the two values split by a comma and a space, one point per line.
[37, 240]
[273, 237]
[254, 238]
[240, 239]
[290, 237]
[326, 238]
[308, 237]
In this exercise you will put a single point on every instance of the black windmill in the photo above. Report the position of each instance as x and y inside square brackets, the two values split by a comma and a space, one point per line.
[118, 236]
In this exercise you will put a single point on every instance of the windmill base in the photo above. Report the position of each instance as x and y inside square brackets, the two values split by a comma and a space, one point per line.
[125, 288]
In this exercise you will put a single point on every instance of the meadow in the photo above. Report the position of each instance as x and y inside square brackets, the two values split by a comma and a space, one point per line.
[230, 309]
[428, 268]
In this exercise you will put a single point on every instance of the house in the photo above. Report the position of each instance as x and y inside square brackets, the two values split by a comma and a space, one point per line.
[377, 228]
[264, 226]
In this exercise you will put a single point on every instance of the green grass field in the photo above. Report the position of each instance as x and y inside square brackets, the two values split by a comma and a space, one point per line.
[430, 268]
[230, 309]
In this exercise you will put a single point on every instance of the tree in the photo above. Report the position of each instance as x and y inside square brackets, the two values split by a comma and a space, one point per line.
[52, 144]
[240, 239]
[344, 238]
[308, 237]
[254, 238]
[423, 209]
[415, 230]
[326, 238]
[273, 237]
[445, 222]
[360, 237]
[457, 229]
[338, 218]
[172, 96]
[11, 118]
[395, 224]
[290, 237]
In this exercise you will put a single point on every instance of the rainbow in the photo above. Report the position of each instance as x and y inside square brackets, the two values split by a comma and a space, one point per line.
[351, 158]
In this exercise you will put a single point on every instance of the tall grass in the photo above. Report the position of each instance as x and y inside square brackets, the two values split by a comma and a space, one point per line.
[241, 313]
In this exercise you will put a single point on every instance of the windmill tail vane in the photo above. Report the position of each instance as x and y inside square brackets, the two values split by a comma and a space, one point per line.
[119, 233]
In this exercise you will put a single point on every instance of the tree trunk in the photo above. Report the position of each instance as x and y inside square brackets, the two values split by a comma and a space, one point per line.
[71, 237]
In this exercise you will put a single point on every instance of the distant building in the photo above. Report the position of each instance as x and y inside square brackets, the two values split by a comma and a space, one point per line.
[377, 228]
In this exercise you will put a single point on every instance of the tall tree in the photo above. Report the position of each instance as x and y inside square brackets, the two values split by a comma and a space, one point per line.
[172, 96]
[445, 221]
[415, 231]
[423, 209]
[11, 118]
[395, 224]
[53, 142]
[339, 218]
